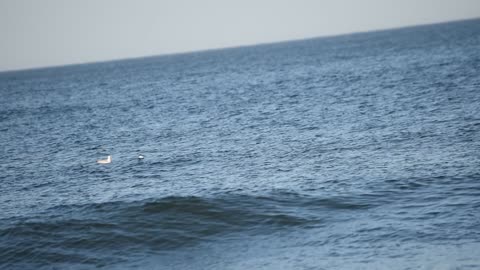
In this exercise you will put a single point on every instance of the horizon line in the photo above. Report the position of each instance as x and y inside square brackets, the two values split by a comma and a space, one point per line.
[133, 58]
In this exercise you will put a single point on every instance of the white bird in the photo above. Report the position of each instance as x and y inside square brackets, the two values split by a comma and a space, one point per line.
[105, 161]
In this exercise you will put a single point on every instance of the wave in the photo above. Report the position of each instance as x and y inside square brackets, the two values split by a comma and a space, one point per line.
[78, 233]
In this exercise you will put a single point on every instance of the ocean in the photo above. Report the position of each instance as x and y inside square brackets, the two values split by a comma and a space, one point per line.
[358, 151]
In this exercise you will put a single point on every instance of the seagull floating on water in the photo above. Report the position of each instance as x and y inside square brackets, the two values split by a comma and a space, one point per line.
[105, 161]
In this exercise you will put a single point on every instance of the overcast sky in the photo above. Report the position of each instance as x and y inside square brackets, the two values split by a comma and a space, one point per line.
[37, 33]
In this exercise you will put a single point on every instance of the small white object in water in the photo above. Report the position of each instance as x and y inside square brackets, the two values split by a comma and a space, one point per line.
[105, 161]
[140, 156]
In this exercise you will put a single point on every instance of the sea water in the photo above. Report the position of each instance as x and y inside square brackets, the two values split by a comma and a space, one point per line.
[358, 151]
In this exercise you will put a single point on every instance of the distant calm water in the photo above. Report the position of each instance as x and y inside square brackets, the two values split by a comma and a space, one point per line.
[352, 152]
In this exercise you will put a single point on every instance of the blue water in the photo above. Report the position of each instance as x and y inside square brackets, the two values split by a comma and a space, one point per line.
[352, 152]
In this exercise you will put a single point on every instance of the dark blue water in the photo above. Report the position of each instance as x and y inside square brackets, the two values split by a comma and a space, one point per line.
[352, 152]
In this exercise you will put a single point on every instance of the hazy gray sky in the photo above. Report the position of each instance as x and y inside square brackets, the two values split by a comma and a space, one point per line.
[35, 33]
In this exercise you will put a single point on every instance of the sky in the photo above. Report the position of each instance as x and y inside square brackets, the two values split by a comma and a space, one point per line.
[39, 33]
